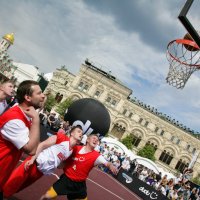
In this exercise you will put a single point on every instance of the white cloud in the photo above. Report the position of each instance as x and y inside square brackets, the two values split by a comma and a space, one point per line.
[50, 33]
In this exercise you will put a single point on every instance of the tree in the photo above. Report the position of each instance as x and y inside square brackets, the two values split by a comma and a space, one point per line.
[147, 151]
[50, 102]
[128, 141]
[61, 108]
[196, 179]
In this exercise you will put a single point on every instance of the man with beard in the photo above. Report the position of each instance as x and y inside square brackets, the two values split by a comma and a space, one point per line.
[19, 128]
[49, 155]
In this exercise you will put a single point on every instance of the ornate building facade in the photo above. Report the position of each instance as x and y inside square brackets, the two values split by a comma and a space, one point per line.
[174, 144]
[7, 68]
[13, 70]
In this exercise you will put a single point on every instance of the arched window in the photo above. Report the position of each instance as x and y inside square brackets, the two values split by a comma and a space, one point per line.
[181, 165]
[152, 144]
[166, 157]
[59, 99]
[136, 140]
[118, 130]
[57, 95]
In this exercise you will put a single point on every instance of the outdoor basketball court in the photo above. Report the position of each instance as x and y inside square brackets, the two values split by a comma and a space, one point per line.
[100, 186]
[184, 59]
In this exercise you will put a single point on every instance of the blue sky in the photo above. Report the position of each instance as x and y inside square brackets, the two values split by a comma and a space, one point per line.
[128, 38]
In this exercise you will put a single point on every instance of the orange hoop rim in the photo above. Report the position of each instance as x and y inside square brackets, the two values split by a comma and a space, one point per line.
[187, 42]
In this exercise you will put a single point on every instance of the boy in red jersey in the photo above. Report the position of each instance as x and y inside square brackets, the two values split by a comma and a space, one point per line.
[19, 128]
[73, 182]
[50, 153]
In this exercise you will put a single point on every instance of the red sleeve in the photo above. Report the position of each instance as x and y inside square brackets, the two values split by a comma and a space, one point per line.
[61, 138]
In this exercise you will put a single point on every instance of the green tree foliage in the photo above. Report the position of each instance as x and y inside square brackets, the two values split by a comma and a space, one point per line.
[50, 103]
[128, 141]
[61, 108]
[147, 152]
[196, 179]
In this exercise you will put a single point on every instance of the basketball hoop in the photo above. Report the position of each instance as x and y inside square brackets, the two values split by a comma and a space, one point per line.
[184, 59]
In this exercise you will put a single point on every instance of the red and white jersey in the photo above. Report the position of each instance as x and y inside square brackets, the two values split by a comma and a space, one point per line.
[79, 165]
[14, 131]
[50, 158]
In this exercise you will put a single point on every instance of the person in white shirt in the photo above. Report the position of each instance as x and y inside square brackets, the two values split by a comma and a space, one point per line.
[49, 155]
[114, 157]
[143, 174]
[116, 164]
[126, 164]
[173, 194]
[162, 189]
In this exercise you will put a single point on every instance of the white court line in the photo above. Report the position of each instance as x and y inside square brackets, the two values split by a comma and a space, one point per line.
[96, 184]
[118, 183]
[102, 186]
[105, 189]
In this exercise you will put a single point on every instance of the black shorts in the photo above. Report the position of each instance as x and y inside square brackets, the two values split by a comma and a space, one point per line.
[73, 190]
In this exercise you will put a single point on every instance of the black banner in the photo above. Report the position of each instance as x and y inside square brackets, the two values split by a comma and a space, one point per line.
[139, 187]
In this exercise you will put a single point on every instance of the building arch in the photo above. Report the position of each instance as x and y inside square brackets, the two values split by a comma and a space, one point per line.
[155, 140]
[167, 155]
[182, 163]
[172, 149]
[186, 157]
[75, 96]
[138, 128]
[121, 121]
[119, 128]
[137, 137]
[61, 91]
[137, 132]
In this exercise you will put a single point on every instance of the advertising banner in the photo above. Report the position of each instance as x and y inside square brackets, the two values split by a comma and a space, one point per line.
[139, 187]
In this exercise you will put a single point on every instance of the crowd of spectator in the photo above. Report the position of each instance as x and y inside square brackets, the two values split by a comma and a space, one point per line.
[178, 188]
[53, 122]
[174, 188]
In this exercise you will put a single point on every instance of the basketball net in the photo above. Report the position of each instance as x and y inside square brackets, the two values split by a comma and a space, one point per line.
[183, 62]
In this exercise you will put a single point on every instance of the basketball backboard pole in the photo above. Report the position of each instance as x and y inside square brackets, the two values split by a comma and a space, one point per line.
[186, 23]
[183, 54]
